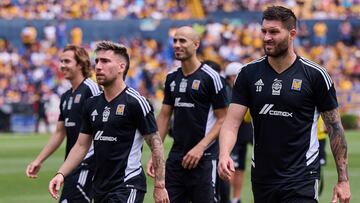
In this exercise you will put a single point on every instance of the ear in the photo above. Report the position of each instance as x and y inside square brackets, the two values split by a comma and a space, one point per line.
[122, 67]
[293, 33]
[197, 44]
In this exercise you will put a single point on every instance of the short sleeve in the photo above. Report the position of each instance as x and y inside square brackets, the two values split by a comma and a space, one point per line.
[220, 98]
[167, 93]
[86, 123]
[61, 108]
[324, 92]
[143, 115]
[241, 91]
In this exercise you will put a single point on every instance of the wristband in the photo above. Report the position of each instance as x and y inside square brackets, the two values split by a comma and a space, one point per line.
[57, 173]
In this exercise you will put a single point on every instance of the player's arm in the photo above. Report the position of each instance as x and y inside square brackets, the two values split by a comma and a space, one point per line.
[339, 149]
[156, 145]
[192, 158]
[54, 142]
[227, 139]
[76, 155]
[162, 122]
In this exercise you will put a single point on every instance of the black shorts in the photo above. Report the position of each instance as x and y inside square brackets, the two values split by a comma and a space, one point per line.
[196, 185]
[291, 192]
[244, 137]
[122, 195]
[78, 185]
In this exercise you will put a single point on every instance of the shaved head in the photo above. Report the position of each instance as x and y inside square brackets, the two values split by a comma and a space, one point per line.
[188, 32]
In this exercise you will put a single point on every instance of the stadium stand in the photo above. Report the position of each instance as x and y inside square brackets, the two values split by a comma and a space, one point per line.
[29, 49]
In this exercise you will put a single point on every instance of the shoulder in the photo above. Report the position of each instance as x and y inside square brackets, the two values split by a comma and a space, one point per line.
[255, 63]
[92, 86]
[213, 76]
[135, 100]
[172, 73]
[315, 70]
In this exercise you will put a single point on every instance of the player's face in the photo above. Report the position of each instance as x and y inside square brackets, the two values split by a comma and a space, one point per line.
[109, 67]
[276, 38]
[184, 47]
[68, 65]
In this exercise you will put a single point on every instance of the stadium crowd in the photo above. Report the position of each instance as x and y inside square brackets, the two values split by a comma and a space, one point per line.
[30, 74]
[166, 9]
[25, 71]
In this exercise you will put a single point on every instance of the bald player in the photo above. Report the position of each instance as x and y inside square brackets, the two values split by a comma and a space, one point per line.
[196, 96]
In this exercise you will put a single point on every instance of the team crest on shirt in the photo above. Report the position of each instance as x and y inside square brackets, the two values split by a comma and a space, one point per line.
[77, 98]
[296, 84]
[106, 114]
[195, 85]
[172, 86]
[70, 103]
[120, 109]
[183, 85]
[276, 87]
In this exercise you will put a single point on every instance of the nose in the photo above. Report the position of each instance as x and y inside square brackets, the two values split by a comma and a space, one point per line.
[266, 37]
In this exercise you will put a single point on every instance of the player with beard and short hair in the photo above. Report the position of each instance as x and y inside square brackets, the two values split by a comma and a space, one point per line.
[196, 95]
[285, 93]
[117, 121]
[75, 65]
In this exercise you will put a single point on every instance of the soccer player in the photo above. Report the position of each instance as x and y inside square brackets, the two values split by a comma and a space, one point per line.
[196, 95]
[117, 121]
[75, 64]
[244, 137]
[285, 94]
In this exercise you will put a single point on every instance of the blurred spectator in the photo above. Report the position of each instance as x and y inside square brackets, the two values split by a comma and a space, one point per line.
[346, 33]
[320, 31]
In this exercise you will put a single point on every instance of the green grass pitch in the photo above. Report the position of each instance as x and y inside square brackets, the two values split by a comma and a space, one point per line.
[16, 151]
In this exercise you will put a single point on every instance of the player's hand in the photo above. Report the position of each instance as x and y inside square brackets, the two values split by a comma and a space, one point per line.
[55, 185]
[32, 169]
[150, 171]
[192, 158]
[341, 192]
[226, 168]
[161, 195]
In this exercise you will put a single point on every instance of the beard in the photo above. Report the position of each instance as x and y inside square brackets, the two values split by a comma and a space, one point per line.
[182, 56]
[279, 49]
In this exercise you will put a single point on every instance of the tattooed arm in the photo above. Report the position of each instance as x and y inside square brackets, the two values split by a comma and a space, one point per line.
[339, 149]
[155, 143]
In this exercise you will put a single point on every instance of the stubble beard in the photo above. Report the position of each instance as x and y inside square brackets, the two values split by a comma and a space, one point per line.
[279, 50]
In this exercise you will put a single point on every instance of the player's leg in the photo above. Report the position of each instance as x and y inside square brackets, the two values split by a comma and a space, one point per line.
[175, 183]
[239, 157]
[202, 179]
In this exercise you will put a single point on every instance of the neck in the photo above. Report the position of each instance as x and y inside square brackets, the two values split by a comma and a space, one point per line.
[75, 82]
[190, 66]
[281, 63]
[114, 89]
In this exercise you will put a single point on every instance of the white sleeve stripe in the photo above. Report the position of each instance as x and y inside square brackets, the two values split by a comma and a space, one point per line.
[144, 101]
[93, 86]
[217, 76]
[145, 111]
[215, 83]
[328, 83]
[321, 68]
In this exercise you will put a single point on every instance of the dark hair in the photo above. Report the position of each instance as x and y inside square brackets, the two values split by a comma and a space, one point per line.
[285, 15]
[213, 65]
[118, 49]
